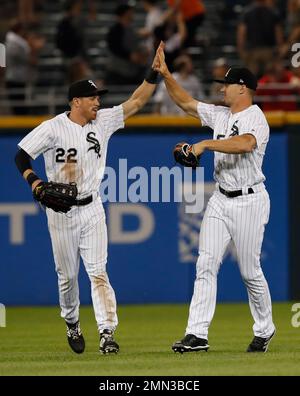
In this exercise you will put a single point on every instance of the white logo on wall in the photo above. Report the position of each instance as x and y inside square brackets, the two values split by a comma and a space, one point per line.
[117, 233]
[16, 214]
[2, 316]
[2, 55]
[164, 184]
[296, 317]
[296, 57]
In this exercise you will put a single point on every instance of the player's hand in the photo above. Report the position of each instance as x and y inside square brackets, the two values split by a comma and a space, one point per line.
[159, 63]
[155, 63]
[36, 183]
[59, 197]
[199, 148]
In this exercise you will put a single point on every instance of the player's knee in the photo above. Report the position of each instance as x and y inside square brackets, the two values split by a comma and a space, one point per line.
[254, 281]
[67, 281]
[206, 264]
[99, 279]
[96, 269]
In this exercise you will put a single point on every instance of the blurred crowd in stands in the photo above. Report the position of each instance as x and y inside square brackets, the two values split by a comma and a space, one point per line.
[264, 33]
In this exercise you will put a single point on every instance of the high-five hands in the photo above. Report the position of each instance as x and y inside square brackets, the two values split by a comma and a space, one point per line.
[159, 63]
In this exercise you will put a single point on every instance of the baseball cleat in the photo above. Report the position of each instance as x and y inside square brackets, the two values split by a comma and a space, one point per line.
[260, 344]
[75, 337]
[190, 343]
[107, 342]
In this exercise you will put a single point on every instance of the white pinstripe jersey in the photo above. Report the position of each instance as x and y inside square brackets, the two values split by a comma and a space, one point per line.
[73, 153]
[237, 171]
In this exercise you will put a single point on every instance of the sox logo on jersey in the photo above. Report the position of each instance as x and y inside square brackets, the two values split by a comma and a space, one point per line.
[234, 129]
[96, 145]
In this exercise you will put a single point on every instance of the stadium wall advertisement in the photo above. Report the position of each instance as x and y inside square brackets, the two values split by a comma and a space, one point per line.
[153, 245]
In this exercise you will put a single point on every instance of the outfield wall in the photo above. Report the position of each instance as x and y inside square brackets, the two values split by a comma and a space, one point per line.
[147, 264]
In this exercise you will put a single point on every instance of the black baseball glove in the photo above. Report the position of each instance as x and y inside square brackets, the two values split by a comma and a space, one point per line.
[185, 155]
[59, 197]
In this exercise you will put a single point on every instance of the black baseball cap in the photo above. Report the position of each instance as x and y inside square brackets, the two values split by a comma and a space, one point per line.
[84, 89]
[240, 75]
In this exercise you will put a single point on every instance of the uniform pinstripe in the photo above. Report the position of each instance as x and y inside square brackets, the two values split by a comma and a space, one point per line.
[241, 219]
[78, 154]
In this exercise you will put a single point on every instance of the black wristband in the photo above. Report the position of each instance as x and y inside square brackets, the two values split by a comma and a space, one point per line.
[31, 178]
[152, 76]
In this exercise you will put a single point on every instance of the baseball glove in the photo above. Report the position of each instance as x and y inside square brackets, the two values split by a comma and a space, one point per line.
[59, 197]
[185, 155]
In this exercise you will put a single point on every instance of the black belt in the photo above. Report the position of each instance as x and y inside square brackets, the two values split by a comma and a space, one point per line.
[233, 194]
[84, 201]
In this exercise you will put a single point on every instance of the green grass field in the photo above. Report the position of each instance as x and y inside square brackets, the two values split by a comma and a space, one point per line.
[34, 343]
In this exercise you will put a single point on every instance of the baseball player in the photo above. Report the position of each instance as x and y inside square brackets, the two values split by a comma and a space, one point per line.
[239, 208]
[74, 145]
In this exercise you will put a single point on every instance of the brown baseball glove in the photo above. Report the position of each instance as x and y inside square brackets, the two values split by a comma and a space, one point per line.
[184, 154]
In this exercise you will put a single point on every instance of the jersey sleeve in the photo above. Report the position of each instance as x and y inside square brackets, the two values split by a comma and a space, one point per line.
[208, 113]
[257, 126]
[39, 140]
[111, 120]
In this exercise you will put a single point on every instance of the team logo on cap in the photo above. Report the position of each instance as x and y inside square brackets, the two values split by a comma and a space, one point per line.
[92, 83]
[242, 81]
[226, 75]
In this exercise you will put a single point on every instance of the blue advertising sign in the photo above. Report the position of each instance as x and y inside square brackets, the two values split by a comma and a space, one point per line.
[152, 245]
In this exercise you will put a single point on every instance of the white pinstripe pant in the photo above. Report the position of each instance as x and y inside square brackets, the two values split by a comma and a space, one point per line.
[241, 219]
[82, 232]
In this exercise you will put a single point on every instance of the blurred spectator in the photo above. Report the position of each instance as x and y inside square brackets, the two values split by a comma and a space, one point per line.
[22, 49]
[127, 59]
[27, 13]
[185, 76]
[279, 5]
[173, 33]
[292, 27]
[193, 12]
[92, 10]
[153, 18]
[259, 35]
[293, 16]
[293, 38]
[220, 68]
[277, 89]
[80, 70]
[230, 9]
[70, 39]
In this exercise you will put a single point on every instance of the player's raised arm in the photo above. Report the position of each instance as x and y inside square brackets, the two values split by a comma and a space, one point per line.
[138, 99]
[142, 94]
[177, 93]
